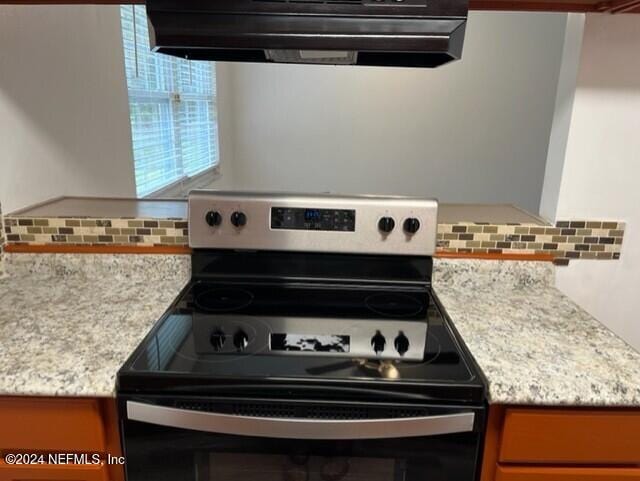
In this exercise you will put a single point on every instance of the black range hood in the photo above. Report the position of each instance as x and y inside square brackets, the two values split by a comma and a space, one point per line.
[392, 33]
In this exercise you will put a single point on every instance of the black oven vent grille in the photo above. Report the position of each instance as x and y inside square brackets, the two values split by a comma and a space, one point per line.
[303, 411]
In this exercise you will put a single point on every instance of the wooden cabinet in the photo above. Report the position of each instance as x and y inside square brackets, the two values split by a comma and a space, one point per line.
[511, 473]
[56, 473]
[51, 426]
[539, 444]
[552, 436]
[32, 424]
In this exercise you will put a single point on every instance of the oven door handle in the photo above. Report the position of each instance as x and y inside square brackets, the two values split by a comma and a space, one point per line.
[296, 428]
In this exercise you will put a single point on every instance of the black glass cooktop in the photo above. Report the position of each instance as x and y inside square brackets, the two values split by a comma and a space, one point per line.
[178, 351]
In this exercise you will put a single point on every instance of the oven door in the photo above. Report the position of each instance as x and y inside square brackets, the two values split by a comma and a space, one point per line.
[240, 440]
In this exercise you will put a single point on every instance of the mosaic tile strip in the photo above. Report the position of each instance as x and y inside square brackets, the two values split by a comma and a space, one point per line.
[2, 241]
[85, 231]
[564, 241]
[576, 239]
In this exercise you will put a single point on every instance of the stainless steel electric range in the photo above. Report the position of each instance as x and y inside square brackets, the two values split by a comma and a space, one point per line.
[308, 346]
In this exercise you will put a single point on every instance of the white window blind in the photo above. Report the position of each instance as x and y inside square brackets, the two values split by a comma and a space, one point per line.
[172, 107]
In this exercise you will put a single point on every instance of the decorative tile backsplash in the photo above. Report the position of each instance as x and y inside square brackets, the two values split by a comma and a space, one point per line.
[576, 239]
[2, 241]
[85, 231]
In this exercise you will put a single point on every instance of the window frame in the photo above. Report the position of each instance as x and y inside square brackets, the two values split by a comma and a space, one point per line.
[184, 93]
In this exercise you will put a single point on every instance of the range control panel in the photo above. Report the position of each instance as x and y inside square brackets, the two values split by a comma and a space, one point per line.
[311, 218]
[352, 338]
[312, 223]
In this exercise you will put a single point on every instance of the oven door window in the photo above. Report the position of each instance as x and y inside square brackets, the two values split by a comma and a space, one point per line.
[164, 453]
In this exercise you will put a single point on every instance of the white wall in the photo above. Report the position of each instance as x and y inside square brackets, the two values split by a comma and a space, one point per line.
[472, 131]
[565, 94]
[602, 168]
[64, 114]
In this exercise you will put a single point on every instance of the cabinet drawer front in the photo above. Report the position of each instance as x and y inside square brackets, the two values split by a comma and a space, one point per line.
[570, 437]
[513, 473]
[62, 425]
[51, 473]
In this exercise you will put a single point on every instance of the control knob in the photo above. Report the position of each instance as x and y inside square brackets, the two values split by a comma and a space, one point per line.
[378, 342]
[401, 343]
[240, 340]
[386, 224]
[411, 225]
[217, 339]
[213, 218]
[238, 219]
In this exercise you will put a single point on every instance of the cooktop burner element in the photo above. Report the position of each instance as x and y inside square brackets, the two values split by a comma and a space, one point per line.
[394, 305]
[223, 299]
[195, 342]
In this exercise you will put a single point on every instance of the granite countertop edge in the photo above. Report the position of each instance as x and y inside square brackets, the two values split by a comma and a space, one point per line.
[534, 345]
[91, 328]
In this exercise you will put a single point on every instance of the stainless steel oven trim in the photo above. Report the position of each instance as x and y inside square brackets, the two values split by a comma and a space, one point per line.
[284, 428]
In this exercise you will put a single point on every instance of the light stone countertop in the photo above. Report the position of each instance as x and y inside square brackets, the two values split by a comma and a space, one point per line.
[68, 322]
[534, 345]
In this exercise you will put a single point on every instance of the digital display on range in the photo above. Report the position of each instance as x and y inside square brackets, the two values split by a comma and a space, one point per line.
[310, 342]
[312, 215]
[300, 218]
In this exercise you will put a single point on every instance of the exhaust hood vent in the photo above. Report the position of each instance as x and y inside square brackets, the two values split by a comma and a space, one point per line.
[392, 33]
[329, 57]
